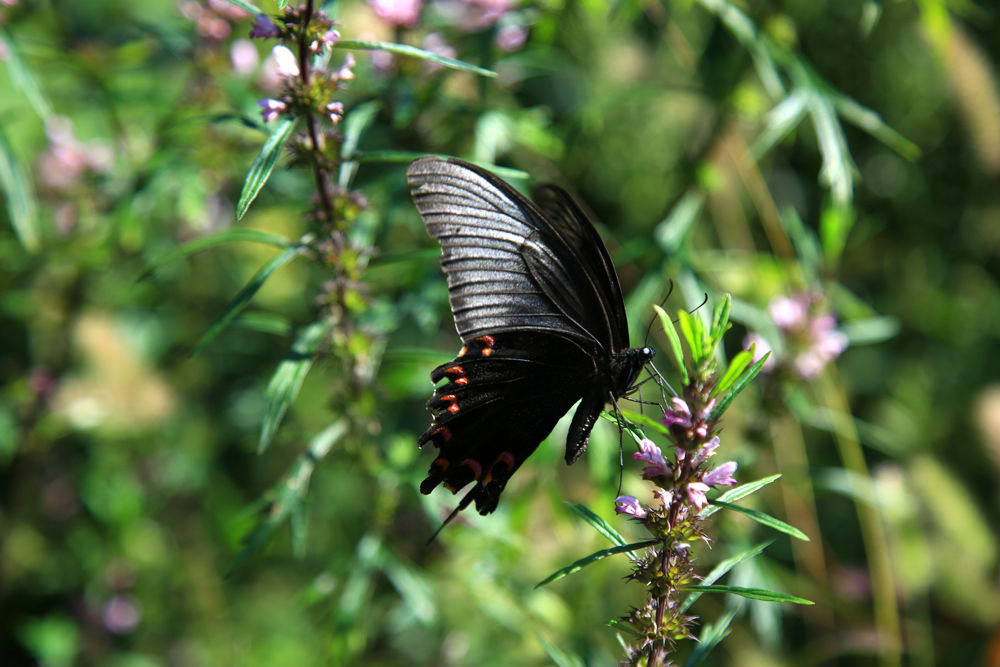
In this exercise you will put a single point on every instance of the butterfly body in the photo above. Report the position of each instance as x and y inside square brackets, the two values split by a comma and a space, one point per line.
[539, 309]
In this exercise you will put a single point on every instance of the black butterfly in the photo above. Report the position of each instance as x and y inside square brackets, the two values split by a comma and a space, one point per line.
[539, 309]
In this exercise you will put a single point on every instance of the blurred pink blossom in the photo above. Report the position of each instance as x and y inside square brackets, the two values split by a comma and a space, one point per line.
[243, 56]
[403, 13]
[511, 37]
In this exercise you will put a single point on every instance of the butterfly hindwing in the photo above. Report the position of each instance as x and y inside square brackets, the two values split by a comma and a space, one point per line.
[501, 397]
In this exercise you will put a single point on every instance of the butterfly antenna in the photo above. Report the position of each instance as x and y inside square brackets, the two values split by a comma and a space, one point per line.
[649, 327]
[465, 502]
[698, 307]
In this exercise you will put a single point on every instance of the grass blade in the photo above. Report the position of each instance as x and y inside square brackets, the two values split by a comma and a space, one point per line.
[22, 206]
[599, 524]
[229, 236]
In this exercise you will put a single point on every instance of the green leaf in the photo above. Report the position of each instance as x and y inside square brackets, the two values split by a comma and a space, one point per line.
[722, 568]
[752, 593]
[231, 235]
[287, 495]
[646, 420]
[599, 524]
[736, 493]
[835, 224]
[287, 380]
[677, 352]
[355, 124]
[711, 635]
[671, 232]
[738, 386]
[736, 368]
[245, 295]
[413, 52]
[22, 206]
[720, 322]
[764, 519]
[263, 165]
[560, 657]
[23, 79]
[693, 330]
[593, 558]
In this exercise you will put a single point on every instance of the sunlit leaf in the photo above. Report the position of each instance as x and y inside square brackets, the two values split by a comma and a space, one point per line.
[677, 352]
[722, 568]
[764, 519]
[752, 593]
[711, 635]
[599, 524]
[231, 235]
[734, 494]
[738, 386]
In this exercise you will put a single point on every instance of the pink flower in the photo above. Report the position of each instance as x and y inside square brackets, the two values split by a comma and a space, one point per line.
[665, 496]
[651, 454]
[722, 476]
[403, 13]
[335, 110]
[346, 71]
[331, 37]
[630, 505]
[271, 108]
[680, 415]
[696, 494]
[788, 313]
[243, 56]
[511, 37]
[264, 27]
[705, 451]
[288, 65]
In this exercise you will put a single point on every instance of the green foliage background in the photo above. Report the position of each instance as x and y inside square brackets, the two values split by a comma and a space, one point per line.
[128, 467]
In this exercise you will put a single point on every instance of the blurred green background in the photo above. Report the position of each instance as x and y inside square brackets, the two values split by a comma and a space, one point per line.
[761, 149]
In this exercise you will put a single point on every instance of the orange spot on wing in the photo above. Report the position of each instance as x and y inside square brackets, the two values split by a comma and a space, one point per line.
[474, 466]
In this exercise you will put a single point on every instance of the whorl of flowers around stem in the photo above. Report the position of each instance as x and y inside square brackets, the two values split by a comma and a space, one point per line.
[681, 484]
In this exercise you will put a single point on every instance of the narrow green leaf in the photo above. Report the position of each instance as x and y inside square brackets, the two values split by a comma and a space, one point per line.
[835, 224]
[245, 295]
[712, 635]
[720, 322]
[734, 494]
[736, 368]
[593, 558]
[23, 79]
[287, 380]
[692, 329]
[263, 165]
[677, 352]
[738, 386]
[752, 593]
[671, 232]
[247, 6]
[872, 123]
[22, 206]
[287, 495]
[724, 567]
[557, 655]
[231, 235]
[413, 52]
[646, 420]
[764, 519]
[355, 124]
[599, 524]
